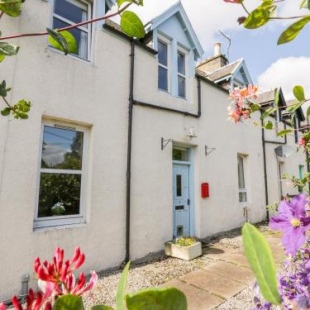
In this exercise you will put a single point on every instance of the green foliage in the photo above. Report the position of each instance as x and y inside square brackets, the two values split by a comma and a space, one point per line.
[293, 30]
[121, 288]
[284, 132]
[185, 241]
[132, 25]
[101, 307]
[157, 299]
[258, 253]
[299, 93]
[63, 41]
[11, 7]
[67, 302]
[7, 49]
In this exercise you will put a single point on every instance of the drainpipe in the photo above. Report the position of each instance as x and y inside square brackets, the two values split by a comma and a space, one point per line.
[129, 149]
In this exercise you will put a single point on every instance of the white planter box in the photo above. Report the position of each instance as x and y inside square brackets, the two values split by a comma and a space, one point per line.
[183, 252]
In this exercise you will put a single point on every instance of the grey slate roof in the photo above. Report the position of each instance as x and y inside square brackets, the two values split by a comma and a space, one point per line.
[224, 71]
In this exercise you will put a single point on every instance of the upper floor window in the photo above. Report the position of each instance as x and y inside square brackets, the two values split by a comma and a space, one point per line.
[162, 65]
[181, 75]
[172, 67]
[70, 12]
[61, 196]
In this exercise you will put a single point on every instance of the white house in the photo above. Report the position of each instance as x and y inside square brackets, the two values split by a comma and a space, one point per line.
[127, 144]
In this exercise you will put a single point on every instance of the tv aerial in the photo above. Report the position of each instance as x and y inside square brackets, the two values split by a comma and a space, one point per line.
[228, 38]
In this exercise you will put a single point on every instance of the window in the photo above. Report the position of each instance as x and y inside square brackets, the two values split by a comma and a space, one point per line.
[172, 67]
[241, 180]
[69, 12]
[181, 75]
[162, 65]
[62, 176]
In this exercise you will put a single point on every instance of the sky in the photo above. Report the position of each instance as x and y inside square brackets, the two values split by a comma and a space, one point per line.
[269, 65]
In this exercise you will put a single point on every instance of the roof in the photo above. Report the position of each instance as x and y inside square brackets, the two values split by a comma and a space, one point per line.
[225, 71]
[187, 27]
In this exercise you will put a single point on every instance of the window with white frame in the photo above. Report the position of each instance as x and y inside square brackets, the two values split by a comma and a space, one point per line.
[172, 67]
[241, 180]
[163, 66]
[181, 75]
[70, 12]
[61, 195]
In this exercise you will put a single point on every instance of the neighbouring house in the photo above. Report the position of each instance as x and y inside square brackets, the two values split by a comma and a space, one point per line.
[127, 145]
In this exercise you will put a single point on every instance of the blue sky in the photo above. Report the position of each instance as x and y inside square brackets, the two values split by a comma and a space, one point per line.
[269, 65]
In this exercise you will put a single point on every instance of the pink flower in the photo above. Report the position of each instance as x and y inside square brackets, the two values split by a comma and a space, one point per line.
[302, 141]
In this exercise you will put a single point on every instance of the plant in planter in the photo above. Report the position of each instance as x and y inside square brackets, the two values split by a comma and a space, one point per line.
[186, 248]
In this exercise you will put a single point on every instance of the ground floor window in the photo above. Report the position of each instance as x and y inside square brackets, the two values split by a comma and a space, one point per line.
[61, 192]
[241, 180]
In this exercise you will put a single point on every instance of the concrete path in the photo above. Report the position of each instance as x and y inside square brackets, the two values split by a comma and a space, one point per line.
[228, 274]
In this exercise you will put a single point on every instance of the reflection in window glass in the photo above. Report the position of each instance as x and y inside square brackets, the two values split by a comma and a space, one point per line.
[181, 86]
[181, 75]
[162, 78]
[179, 185]
[181, 63]
[62, 148]
[162, 53]
[180, 154]
[162, 66]
[241, 180]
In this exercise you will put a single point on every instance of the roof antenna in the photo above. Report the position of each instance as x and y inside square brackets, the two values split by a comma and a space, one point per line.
[229, 40]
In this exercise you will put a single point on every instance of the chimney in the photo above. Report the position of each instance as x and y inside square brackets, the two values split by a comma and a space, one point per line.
[217, 49]
[213, 63]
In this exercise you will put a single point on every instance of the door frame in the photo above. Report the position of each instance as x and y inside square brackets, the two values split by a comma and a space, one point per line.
[190, 164]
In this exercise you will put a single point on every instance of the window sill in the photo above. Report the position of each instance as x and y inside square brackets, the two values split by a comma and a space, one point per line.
[59, 227]
[73, 56]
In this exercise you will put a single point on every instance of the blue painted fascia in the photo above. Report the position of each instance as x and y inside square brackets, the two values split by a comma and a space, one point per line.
[178, 9]
[242, 64]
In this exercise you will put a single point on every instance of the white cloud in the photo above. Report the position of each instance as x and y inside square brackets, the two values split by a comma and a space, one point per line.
[287, 72]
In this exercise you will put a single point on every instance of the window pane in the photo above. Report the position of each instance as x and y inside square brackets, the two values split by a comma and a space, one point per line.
[75, 13]
[62, 148]
[162, 53]
[59, 194]
[181, 86]
[179, 185]
[178, 154]
[162, 78]
[240, 173]
[81, 37]
[242, 197]
[181, 63]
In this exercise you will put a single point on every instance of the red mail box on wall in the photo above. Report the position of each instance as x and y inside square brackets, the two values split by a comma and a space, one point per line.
[205, 190]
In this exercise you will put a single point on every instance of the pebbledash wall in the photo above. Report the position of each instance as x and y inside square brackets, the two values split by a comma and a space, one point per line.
[94, 95]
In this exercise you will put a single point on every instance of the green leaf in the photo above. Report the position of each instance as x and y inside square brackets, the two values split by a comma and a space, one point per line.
[308, 111]
[6, 111]
[132, 25]
[254, 107]
[299, 93]
[258, 253]
[257, 18]
[101, 307]
[8, 49]
[284, 132]
[292, 31]
[11, 7]
[121, 288]
[268, 125]
[3, 89]
[292, 108]
[57, 41]
[305, 4]
[120, 2]
[276, 96]
[268, 112]
[68, 302]
[157, 298]
[2, 57]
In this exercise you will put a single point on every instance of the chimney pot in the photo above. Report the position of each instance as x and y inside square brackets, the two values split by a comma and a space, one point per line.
[217, 49]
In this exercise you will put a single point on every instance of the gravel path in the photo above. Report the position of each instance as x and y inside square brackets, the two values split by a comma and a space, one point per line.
[155, 273]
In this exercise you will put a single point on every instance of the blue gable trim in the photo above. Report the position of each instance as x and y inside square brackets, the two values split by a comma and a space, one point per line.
[177, 9]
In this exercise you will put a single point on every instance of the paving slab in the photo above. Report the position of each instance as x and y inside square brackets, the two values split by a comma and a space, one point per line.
[197, 299]
[213, 283]
[232, 271]
[217, 252]
[238, 259]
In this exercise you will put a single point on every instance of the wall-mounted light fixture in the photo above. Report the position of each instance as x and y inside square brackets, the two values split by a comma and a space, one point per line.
[191, 132]
[165, 142]
[209, 150]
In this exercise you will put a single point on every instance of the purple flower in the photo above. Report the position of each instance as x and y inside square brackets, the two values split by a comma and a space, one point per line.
[293, 221]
